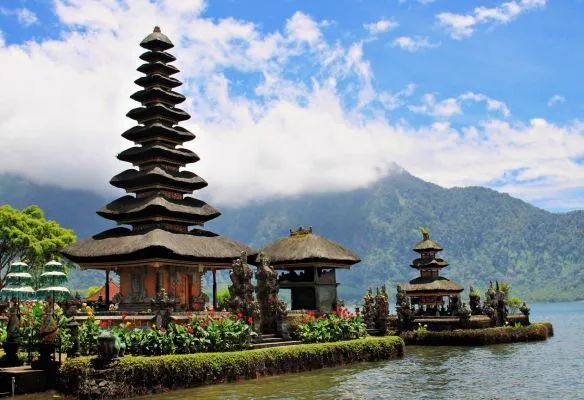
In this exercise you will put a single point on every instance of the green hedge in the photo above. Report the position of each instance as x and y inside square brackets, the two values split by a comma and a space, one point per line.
[479, 337]
[139, 375]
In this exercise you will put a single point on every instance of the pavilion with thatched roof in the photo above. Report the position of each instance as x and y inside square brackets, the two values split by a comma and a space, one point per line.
[309, 262]
[158, 248]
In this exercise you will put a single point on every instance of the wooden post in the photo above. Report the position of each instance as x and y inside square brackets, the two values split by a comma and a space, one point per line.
[107, 293]
[214, 271]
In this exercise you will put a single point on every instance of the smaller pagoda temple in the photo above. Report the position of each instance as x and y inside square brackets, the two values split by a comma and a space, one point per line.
[308, 264]
[429, 291]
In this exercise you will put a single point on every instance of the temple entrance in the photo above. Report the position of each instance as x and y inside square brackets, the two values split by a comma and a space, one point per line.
[303, 298]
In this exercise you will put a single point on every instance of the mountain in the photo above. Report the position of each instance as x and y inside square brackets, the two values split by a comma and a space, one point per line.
[486, 235]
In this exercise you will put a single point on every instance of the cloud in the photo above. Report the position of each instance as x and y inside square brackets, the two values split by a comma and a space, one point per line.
[25, 16]
[556, 99]
[453, 106]
[460, 26]
[309, 118]
[381, 26]
[413, 44]
[392, 101]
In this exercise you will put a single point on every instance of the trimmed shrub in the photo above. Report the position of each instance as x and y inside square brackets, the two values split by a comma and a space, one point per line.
[132, 376]
[479, 337]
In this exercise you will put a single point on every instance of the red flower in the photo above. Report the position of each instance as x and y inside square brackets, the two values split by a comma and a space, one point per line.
[197, 306]
[124, 316]
[239, 315]
[311, 313]
[250, 320]
[212, 312]
[104, 324]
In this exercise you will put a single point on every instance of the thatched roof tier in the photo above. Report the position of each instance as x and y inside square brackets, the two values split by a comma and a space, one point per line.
[155, 56]
[429, 263]
[157, 178]
[158, 80]
[434, 285]
[427, 244]
[304, 247]
[158, 67]
[158, 132]
[158, 153]
[124, 245]
[156, 41]
[129, 208]
[158, 95]
[156, 112]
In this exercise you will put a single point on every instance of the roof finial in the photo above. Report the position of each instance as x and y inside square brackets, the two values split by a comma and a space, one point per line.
[156, 29]
[425, 233]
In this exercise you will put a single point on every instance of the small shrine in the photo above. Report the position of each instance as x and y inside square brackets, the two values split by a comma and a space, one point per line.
[307, 264]
[428, 292]
[161, 247]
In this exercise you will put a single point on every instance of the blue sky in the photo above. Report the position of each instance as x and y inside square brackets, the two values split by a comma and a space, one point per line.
[315, 96]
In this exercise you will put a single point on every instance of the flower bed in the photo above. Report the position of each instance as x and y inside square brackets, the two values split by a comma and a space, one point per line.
[338, 325]
[222, 332]
[479, 337]
[132, 376]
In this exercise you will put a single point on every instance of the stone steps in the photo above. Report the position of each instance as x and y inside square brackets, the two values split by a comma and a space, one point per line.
[280, 343]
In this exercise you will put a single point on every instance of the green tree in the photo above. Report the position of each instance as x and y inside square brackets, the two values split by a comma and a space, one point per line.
[91, 290]
[28, 236]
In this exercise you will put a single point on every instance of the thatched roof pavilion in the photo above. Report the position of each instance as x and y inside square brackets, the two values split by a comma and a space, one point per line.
[158, 249]
[310, 262]
[305, 247]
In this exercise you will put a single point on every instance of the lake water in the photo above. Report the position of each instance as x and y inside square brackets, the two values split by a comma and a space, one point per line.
[553, 369]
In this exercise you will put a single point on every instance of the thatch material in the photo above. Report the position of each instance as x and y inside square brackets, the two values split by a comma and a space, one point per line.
[132, 178]
[439, 284]
[156, 41]
[141, 155]
[157, 131]
[426, 243]
[305, 247]
[123, 244]
[131, 207]
[429, 263]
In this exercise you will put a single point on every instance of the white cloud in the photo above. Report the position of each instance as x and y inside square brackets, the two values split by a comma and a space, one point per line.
[453, 106]
[292, 132]
[391, 101]
[556, 99]
[460, 26]
[25, 16]
[381, 26]
[413, 44]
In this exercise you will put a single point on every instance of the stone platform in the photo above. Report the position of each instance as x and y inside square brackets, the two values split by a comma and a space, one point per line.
[26, 380]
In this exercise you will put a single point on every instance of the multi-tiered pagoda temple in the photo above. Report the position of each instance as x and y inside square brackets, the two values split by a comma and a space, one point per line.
[429, 290]
[159, 249]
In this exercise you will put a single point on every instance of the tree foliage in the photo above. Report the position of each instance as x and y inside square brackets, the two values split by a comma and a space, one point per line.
[28, 236]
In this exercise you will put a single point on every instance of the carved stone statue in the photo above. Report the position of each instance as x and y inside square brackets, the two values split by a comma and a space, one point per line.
[369, 309]
[381, 310]
[474, 302]
[405, 314]
[241, 292]
[273, 310]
